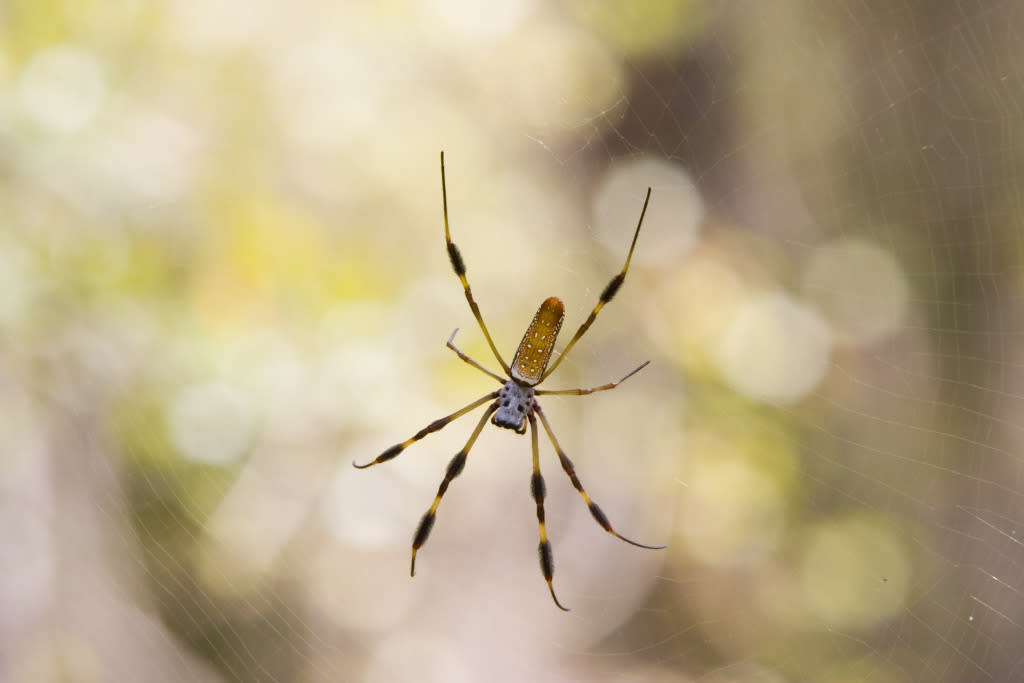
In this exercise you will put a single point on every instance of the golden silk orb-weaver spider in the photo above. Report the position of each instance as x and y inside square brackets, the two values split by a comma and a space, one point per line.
[515, 403]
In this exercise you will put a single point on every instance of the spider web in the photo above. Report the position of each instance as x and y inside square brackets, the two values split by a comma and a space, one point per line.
[224, 280]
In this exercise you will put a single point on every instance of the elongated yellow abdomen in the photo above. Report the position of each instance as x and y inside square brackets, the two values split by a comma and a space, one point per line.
[534, 351]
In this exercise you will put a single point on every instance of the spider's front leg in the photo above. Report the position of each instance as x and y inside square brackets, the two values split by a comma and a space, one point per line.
[539, 491]
[455, 467]
[596, 511]
[434, 426]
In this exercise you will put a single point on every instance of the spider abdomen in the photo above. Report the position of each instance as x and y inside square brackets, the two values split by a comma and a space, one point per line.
[515, 401]
[534, 352]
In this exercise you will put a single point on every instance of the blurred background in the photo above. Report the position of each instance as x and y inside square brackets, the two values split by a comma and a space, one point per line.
[223, 279]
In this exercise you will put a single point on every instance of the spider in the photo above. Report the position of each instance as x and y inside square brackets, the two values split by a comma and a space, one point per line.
[516, 403]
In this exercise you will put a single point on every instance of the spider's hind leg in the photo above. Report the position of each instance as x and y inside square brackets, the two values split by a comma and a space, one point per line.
[459, 266]
[609, 292]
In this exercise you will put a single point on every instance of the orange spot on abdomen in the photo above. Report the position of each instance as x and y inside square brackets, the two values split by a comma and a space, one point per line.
[535, 350]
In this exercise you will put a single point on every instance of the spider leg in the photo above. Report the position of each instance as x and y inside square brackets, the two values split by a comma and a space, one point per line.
[459, 266]
[455, 468]
[609, 291]
[434, 426]
[469, 360]
[582, 392]
[597, 512]
[537, 488]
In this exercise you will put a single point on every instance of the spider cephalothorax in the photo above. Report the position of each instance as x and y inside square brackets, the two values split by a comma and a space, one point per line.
[515, 404]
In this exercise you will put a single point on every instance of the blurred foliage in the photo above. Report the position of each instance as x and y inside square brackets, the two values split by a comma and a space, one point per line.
[223, 279]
